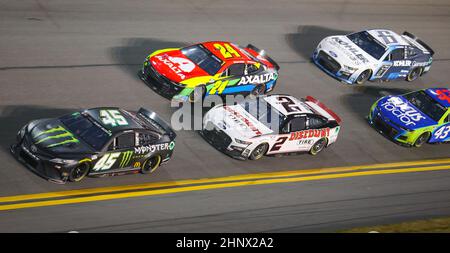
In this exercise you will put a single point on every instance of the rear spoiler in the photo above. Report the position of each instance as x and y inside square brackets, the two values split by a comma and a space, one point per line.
[419, 41]
[153, 119]
[321, 105]
[263, 54]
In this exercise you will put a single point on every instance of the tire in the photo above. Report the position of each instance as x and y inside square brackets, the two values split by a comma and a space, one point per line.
[318, 146]
[197, 94]
[260, 89]
[259, 151]
[151, 164]
[78, 173]
[422, 139]
[414, 74]
[363, 77]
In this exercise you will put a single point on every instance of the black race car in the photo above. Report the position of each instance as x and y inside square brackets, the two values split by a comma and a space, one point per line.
[93, 142]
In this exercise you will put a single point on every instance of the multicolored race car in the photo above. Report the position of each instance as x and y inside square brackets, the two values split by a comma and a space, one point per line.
[373, 55]
[271, 124]
[414, 118]
[99, 141]
[214, 67]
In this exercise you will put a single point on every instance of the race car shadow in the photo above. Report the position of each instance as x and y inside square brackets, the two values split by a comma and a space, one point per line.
[364, 96]
[131, 55]
[14, 117]
[307, 37]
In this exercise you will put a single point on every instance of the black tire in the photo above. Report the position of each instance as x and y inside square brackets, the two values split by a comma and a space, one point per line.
[259, 151]
[318, 146]
[151, 164]
[197, 94]
[260, 89]
[414, 74]
[422, 139]
[363, 77]
[78, 173]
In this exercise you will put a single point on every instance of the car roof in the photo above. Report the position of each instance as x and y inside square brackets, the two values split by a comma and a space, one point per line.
[276, 102]
[397, 40]
[132, 122]
[243, 56]
[441, 95]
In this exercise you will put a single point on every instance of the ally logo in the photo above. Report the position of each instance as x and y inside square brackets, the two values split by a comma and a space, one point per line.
[58, 134]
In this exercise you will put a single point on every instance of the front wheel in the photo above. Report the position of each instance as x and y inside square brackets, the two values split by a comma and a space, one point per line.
[422, 139]
[151, 164]
[363, 77]
[318, 146]
[259, 151]
[197, 94]
[79, 172]
[414, 74]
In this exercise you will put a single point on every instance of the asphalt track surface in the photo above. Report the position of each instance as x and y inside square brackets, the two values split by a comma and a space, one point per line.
[61, 56]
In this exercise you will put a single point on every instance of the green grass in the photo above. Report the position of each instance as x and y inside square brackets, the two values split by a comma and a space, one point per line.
[438, 225]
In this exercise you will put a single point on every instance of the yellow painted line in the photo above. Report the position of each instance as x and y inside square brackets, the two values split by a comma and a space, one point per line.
[278, 174]
[217, 186]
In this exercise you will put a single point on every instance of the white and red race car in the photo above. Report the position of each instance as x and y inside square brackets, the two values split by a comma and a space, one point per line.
[270, 125]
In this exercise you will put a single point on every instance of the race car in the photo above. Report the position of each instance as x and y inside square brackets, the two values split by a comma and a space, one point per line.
[377, 54]
[215, 67]
[271, 124]
[414, 118]
[95, 142]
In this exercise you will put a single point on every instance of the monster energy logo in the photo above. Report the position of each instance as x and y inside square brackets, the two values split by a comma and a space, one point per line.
[126, 158]
[58, 132]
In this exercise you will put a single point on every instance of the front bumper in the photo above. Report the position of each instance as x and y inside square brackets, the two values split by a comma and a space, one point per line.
[387, 129]
[36, 163]
[222, 142]
[158, 82]
[332, 67]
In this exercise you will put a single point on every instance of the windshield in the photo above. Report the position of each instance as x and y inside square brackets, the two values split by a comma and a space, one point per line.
[367, 43]
[426, 104]
[203, 58]
[83, 128]
[263, 112]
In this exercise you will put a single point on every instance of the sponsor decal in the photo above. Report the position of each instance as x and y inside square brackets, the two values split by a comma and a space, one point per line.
[177, 64]
[403, 111]
[351, 49]
[58, 133]
[257, 79]
[312, 133]
[136, 165]
[443, 94]
[126, 158]
[241, 119]
[402, 63]
[154, 148]
[305, 142]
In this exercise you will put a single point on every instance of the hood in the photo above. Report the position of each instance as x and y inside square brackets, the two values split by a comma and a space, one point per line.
[402, 113]
[346, 52]
[52, 136]
[176, 66]
[237, 122]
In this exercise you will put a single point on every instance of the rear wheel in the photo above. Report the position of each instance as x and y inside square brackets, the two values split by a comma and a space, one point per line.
[363, 77]
[151, 164]
[422, 139]
[79, 172]
[258, 90]
[414, 74]
[318, 146]
[197, 94]
[259, 151]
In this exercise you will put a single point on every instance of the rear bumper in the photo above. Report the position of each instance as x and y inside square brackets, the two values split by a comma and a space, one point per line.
[37, 165]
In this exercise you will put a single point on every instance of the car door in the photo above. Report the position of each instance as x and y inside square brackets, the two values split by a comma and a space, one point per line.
[289, 140]
[119, 154]
[229, 77]
[399, 65]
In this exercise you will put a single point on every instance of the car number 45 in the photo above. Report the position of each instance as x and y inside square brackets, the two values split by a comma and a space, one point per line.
[113, 118]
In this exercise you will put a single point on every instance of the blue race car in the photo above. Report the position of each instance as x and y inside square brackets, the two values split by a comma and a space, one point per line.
[373, 55]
